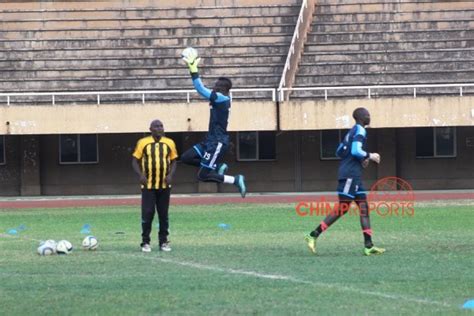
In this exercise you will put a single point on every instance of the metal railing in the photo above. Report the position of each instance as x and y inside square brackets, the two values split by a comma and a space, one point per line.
[143, 94]
[372, 88]
[274, 92]
[291, 51]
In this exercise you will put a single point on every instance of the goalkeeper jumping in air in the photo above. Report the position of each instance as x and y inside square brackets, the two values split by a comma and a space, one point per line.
[350, 188]
[208, 154]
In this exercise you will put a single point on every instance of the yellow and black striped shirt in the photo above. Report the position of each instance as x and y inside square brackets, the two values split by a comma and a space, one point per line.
[155, 159]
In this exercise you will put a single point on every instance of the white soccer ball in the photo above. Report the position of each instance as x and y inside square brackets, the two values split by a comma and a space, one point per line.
[50, 242]
[90, 243]
[46, 249]
[189, 54]
[63, 247]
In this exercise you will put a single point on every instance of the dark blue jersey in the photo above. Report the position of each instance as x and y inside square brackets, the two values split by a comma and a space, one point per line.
[220, 108]
[351, 152]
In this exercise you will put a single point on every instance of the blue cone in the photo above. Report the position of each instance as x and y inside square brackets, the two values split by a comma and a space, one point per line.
[469, 304]
[12, 231]
[224, 226]
[86, 229]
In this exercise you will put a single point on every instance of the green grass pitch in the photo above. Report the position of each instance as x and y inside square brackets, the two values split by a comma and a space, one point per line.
[260, 265]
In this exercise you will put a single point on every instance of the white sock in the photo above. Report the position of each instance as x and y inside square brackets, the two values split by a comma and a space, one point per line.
[229, 179]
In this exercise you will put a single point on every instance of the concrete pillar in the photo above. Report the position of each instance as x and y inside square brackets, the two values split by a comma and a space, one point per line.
[30, 183]
[387, 148]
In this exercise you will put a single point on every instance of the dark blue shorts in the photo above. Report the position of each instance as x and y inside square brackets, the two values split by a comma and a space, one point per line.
[351, 188]
[211, 153]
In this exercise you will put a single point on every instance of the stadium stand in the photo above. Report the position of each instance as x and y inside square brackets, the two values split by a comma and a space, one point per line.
[372, 42]
[107, 47]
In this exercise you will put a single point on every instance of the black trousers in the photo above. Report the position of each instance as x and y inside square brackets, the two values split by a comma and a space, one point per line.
[152, 199]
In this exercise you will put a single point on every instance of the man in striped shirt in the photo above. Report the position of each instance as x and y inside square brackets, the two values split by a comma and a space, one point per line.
[154, 161]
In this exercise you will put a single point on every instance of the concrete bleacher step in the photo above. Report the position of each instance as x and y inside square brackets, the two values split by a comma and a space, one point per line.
[384, 67]
[392, 36]
[330, 7]
[131, 83]
[393, 16]
[376, 26]
[144, 51]
[152, 12]
[138, 62]
[149, 31]
[395, 55]
[358, 79]
[153, 71]
[382, 45]
[195, 41]
[210, 21]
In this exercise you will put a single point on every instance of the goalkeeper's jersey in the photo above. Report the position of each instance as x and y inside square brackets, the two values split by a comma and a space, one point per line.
[220, 108]
[351, 152]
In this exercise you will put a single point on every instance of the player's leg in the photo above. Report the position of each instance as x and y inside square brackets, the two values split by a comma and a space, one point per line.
[361, 200]
[148, 212]
[193, 155]
[208, 172]
[346, 194]
[162, 206]
[343, 206]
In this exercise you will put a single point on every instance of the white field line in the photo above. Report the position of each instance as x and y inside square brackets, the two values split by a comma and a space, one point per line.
[278, 277]
[295, 280]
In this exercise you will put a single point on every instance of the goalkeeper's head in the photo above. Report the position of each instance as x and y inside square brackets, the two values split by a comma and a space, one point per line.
[361, 116]
[223, 85]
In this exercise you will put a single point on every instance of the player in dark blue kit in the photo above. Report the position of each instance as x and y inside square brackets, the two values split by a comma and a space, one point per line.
[208, 154]
[350, 189]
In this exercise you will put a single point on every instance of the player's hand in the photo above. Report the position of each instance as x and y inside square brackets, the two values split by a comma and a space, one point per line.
[365, 163]
[192, 63]
[143, 179]
[374, 157]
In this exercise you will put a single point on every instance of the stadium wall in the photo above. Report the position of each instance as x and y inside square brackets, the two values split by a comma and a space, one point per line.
[32, 165]
[246, 116]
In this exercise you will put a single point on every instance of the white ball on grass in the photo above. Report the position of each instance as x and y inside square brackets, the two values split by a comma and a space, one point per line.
[90, 243]
[46, 249]
[63, 247]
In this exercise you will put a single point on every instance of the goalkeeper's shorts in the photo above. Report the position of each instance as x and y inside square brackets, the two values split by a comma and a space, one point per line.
[211, 153]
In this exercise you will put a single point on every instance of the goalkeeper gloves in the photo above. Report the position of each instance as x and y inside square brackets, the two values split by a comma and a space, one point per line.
[192, 63]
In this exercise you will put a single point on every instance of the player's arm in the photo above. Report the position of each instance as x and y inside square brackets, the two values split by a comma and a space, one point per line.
[170, 175]
[173, 158]
[192, 61]
[357, 150]
[206, 92]
[137, 156]
[138, 171]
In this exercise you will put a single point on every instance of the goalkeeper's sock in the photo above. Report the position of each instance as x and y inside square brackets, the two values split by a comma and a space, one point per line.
[229, 179]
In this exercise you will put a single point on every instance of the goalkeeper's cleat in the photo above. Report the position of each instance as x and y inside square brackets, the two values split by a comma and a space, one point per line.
[311, 241]
[222, 169]
[240, 183]
[373, 251]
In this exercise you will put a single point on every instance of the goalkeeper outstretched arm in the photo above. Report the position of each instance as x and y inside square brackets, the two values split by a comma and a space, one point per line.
[220, 91]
